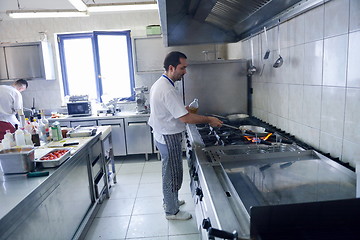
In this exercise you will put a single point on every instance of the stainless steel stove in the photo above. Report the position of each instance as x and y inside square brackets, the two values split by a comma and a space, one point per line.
[232, 177]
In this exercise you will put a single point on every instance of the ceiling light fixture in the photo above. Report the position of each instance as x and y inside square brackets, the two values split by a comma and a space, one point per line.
[121, 7]
[45, 13]
[79, 5]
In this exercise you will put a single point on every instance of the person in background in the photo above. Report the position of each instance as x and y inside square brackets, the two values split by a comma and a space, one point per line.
[10, 102]
[168, 117]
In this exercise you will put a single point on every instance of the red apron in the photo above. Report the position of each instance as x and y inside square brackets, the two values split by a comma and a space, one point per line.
[5, 126]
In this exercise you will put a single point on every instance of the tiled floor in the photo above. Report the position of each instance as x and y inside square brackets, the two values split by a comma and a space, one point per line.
[134, 210]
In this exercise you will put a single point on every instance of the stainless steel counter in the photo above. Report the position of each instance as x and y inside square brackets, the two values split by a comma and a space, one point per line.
[21, 196]
[95, 117]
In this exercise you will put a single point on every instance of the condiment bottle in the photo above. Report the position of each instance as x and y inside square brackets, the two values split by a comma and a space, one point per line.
[19, 137]
[9, 138]
[194, 106]
[28, 140]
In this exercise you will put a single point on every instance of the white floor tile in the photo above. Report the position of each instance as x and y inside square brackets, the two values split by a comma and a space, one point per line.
[121, 190]
[152, 166]
[127, 168]
[127, 179]
[189, 205]
[151, 238]
[108, 228]
[116, 207]
[177, 227]
[148, 205]
[151, 177]
[150, 190]
[185, 237]
[152, 225]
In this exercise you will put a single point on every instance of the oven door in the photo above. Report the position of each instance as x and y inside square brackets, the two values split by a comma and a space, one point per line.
[79, 108]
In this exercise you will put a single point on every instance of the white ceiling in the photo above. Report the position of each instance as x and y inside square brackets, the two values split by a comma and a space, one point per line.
[53, 4]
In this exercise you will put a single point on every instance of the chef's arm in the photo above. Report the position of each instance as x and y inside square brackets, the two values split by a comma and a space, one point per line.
[196, 118]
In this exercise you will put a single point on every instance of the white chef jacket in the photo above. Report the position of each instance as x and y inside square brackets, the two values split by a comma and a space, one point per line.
[10, 102]
[166, 107]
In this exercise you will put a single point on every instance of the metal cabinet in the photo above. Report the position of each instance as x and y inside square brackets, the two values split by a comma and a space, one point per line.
[91, 123]
[138, 136]
[63, 210]
[117, 135]
[26, 60]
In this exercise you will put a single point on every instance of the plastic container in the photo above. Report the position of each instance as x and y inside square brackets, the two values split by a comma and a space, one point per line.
[27, 136]
[194, 106]
[9, 138]
[56, 131]
[19, 138]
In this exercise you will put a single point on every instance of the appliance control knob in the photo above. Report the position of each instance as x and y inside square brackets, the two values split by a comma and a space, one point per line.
[199, 193]
[206, 224]
[196, 177]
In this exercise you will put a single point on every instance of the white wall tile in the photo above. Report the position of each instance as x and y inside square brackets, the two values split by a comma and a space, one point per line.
[312, 106]
[353, 76]
[354, 15]
[336, 17]
[314, 24]
[296, 96]
[311, 136]
[351, 152]
[331, 144]
[313, 63]
[295, 68]
[352, 115]
[335, 61]
[296, 31]
[332, 110]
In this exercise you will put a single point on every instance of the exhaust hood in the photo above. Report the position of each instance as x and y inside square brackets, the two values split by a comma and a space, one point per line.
[224, 21]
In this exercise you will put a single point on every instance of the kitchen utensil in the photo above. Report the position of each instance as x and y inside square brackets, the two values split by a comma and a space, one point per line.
[17, 160]
[252, 68]
[267, 53]
[56, 162]
[230, 126]
[279, 62]
[237, 116]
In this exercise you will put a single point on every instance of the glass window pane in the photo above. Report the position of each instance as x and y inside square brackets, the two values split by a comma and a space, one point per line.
[114, 66]
[80, 68]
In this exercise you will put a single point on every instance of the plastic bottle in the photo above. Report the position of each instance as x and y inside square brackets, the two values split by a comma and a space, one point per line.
[35, 136]
[21, 118]
[28, 140]
[194, 106]
[5, 143]
[19, 138]
[9, 138]
[56, 131]
[42, 129]
[46, 123]
[28, 126]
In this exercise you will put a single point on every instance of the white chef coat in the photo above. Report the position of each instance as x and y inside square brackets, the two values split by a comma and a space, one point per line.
[166, 107]
[10, 102]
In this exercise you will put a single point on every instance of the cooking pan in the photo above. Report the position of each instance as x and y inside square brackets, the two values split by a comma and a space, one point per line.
[233, 117]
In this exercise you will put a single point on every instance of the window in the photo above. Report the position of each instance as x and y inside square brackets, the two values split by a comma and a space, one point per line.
[98, 64]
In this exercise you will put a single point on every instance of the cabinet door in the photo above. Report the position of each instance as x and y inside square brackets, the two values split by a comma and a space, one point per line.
[92, 123]
[138, 136]
[150, 53]
[117, 135]
[3, 70]
[24, 61]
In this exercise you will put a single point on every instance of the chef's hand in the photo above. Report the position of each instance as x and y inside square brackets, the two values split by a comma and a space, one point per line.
[215, 122]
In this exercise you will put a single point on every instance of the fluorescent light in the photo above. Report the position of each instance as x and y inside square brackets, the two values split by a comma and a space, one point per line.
[45, 14]
[79, 5]
[121, 7]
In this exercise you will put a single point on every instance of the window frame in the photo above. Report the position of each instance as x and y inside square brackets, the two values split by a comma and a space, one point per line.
[96, 58]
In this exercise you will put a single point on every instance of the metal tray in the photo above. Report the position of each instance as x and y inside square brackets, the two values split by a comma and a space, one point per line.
[56, 162]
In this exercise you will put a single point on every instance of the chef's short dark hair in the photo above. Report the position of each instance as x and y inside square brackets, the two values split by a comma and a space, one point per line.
[21, 82]
[173, 59]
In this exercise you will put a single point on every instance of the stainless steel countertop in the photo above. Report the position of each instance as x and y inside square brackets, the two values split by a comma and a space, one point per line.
[14, 189]
[95, 117]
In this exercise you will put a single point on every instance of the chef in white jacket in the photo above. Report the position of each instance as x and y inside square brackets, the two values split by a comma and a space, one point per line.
[10, 102]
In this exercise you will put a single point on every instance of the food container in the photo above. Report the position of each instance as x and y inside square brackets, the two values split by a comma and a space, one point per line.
[82, 132]
[17, 160]
[53, 162]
